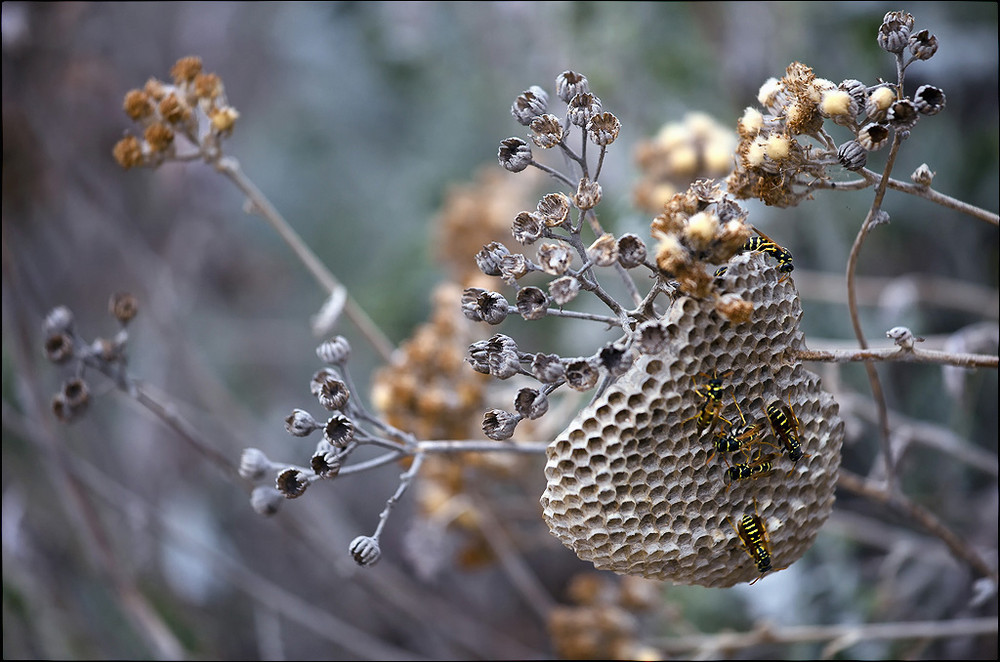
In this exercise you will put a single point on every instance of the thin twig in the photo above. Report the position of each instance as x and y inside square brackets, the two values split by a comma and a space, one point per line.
[858, 485]
[230, 167]
[875, 215]
[914, 355]
[766, 634]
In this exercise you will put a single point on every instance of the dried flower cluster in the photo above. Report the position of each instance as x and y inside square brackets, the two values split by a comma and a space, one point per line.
[785, 150]
[194, 107]
[603, 623]
[63, 345]
[697, 147]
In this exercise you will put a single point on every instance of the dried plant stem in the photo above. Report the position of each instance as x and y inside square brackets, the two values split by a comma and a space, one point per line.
[899, 354]
[535, 595]
[925, 192]
[839, 636]
[230, 167]
[858, 485]
[875, 215]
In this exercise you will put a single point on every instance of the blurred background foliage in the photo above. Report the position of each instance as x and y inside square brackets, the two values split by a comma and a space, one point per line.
[358, 120]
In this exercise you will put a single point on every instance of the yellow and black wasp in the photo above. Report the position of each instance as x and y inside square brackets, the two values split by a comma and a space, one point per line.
[738, 438]
[756, 467]
[765, 244]
[711, 409]
[753, 536]
[786, 427]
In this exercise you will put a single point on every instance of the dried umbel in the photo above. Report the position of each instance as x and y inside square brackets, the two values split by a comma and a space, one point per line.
[630, 483]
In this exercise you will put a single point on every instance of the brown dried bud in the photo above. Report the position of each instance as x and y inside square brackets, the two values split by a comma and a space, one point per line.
[563, 290]
[604, 251]
[603, 129]
[207, 86]
[326, 463]
[532, 303]
[254, 464]
[547, 131]
[300, 423]
[873, 136]
[339, 431]
[159, 137]
[529, 104]
[333, 393]
[365, 551]
[499, 425]
[527, 227]
[185, 70]
[59, 347]
[631, 250]
[894, 33]
[581, 375]
[553, 209]
[902, 115]
[334, 351]
[224, 119]
[582, 108]
[137, 104]
[514, 154]
[588, 194]
[488, 258]
[530, 403]
[174, 109]
[569, 84]
[292, 483]
[929, 100]
[265, 500]
[128, 152]
[852, 155]
[554, 258]
[923, 175]
[923, 45]
[123, 307]
[547, 368]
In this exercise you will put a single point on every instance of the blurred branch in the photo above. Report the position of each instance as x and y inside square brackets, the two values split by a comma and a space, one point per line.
[230, 167]
[923, 289]
[926, 434]
[914, 355]
[839, 637]
[925, 192]
[857, 485]
[875, 216]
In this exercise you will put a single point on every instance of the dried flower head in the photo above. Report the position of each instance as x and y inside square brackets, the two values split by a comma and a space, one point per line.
[300, 423]
[532, 303]
[185, 69]
[547, 131]
[292, 483]
[265, 500]
[338, 431]
[254, 464]
[499, 425]
[365, 551]
[128, 152]
[123, 307]
[603, 129]
[569, 84]
[529, 104]
[514, 154]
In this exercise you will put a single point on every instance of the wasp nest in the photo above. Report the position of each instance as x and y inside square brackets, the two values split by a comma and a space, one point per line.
[633, 485]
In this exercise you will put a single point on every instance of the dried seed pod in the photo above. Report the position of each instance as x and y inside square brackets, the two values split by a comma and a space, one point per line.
[629, 487]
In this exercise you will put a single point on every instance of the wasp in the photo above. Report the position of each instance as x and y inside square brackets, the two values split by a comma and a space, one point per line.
[753, 536]
[757, 466]
[738, 438]
[786, 427]
[711, 409]
[765, 244]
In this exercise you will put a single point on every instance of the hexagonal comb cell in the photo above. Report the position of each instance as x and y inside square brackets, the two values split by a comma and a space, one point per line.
[635, 484]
